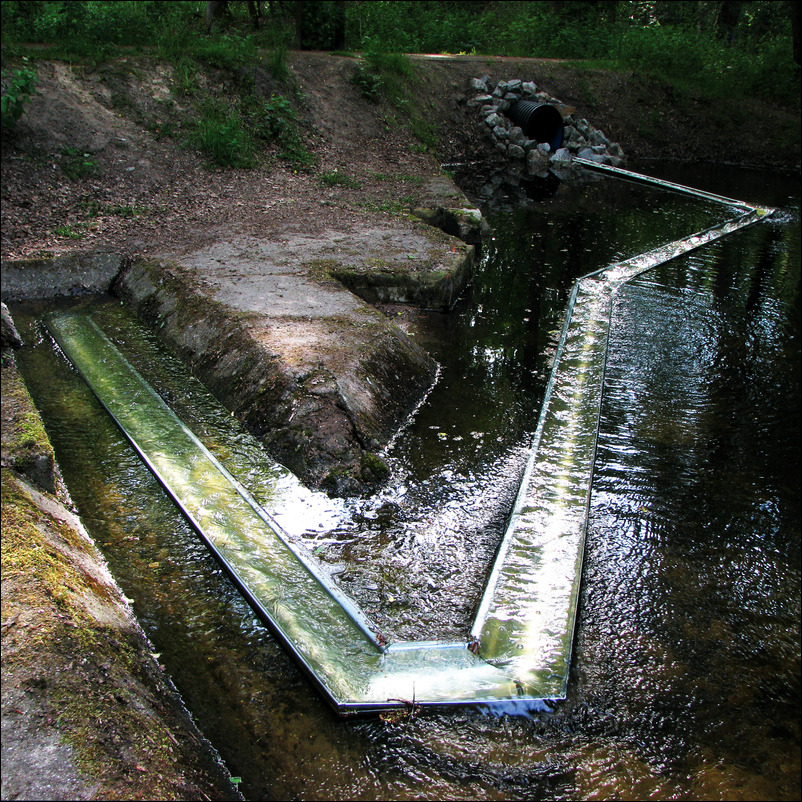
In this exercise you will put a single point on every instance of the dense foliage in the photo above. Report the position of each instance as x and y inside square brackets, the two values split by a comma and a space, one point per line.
[18, 87]
[726, 47]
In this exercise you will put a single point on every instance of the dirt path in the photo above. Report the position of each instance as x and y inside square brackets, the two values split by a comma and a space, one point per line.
[142, 190]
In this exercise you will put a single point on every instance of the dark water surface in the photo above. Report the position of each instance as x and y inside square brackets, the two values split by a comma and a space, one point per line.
[686, 673]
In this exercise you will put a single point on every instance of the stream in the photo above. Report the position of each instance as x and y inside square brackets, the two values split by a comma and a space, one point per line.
[685, 679]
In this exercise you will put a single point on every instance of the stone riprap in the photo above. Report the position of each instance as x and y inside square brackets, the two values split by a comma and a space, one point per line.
[582, 139]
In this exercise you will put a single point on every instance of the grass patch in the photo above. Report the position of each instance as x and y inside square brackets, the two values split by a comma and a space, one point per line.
[222, 137]
[390, 76]
[337, 179]
[232, 133]
[395, 206]
[70, 231]
[76, 164]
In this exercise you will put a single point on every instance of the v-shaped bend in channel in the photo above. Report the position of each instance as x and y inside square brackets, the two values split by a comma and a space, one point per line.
[519, 653]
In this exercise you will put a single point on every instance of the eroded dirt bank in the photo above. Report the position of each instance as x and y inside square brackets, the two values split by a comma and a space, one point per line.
[89, 710]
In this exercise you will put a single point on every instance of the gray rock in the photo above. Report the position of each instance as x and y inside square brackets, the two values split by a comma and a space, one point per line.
[512, 97]
[585, 153]
[501, 132]
[583, 126]
[479, 84]
[493, 120]
[516, 152]
[544, 148]
[517, 136]
[598, 138]
[485, 110]
[480, 100]
[561, 156]
[571, 132]
[529, 88]
[536, 160]
[9, 336]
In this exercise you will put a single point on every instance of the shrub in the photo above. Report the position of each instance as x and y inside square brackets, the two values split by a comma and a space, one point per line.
[16, 93]
[368, 82]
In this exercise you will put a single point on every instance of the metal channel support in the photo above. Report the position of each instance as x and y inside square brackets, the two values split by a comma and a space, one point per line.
[620, 172]
[297, 598]
[522, 637]
[527, 615]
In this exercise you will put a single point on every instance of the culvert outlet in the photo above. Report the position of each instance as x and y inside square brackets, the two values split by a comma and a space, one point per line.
[539, 121]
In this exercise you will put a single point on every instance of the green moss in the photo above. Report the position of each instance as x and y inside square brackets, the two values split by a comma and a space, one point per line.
[24, 433]
[34, 545]
[372, 468]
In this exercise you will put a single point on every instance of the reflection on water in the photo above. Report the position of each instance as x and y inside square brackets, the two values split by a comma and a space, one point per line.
[686, 668]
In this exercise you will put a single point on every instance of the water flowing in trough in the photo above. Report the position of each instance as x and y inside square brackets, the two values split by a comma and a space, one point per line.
[402, 541]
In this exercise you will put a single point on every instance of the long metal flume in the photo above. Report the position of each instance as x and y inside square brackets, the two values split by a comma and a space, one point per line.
[519, 652]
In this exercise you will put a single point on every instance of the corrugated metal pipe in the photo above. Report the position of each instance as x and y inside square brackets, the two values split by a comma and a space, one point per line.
[539, 121]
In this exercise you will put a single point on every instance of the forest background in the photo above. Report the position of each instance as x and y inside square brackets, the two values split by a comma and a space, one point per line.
[726, 48]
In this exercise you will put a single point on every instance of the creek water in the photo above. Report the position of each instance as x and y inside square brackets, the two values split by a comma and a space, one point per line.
[685, 678]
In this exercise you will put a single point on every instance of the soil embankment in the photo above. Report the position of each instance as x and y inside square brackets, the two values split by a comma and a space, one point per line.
[266, 255]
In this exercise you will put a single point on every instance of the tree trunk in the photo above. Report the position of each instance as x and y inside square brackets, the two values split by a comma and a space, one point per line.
[728, 16]
[300, 10]
[339, 25]
[215, 8]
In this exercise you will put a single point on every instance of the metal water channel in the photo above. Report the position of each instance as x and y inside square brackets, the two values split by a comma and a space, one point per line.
[396, 525]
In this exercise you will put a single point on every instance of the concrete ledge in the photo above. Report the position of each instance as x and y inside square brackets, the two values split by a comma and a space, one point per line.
[323, 379]
[430, 289]
[73, 274]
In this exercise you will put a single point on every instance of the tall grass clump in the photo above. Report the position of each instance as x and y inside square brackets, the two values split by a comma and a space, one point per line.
[234, 133]
[276, 63]
[220, 134]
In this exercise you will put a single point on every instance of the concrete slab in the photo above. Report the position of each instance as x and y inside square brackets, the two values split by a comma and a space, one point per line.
[321, 376]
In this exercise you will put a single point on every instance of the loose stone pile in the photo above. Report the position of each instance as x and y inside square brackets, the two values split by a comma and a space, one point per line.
[581, 138]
